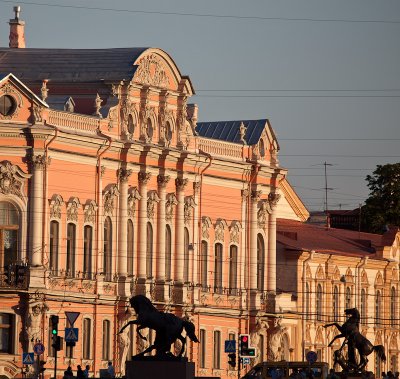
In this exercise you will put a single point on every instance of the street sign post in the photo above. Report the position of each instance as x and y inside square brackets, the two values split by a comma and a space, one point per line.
[230, 346]
[71, 317]
[28, 358]
[311, 357]
[38, 349]
[71, 334]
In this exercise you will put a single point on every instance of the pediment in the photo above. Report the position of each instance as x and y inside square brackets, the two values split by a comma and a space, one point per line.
[155, 68]
[22, 103]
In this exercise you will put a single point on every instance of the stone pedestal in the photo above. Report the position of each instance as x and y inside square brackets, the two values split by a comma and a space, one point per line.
[156, 368]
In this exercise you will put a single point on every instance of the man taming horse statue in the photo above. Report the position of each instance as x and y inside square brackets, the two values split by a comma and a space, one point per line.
[354, 340]
[167, 326]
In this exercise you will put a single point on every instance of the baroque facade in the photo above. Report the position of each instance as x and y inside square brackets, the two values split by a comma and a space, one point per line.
[110, 187]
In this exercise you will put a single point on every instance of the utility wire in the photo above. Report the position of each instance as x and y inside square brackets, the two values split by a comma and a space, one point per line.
[208, 15]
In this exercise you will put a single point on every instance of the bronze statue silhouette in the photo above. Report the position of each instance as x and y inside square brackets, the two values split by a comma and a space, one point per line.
[354, 340]
[167, 326]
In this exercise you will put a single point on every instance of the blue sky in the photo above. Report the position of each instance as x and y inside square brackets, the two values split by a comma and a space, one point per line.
[325, 73]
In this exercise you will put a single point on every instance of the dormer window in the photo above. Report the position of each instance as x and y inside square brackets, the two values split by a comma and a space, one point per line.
[7, 105]
[261, 148]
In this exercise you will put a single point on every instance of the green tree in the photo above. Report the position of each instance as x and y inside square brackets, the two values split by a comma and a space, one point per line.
[383, 204]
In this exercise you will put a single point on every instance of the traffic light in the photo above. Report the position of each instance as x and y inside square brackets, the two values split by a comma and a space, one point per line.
[41, 366]
[54, 325]
[232, 359]
[57, 343]
[243, 344]
[245, 351]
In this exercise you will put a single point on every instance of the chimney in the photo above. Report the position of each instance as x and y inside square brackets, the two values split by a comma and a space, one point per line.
[17, 31]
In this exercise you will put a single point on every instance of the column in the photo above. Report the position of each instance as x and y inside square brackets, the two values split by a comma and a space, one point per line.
[243, 283]
[162, 181]
[36, 227]
[179, 241]
[123, 176]
[195, 256]
[273, 199]
[144, 177]
[255, 197]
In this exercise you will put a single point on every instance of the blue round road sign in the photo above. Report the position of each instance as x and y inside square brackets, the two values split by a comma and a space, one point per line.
[311, 357]
[38, 348]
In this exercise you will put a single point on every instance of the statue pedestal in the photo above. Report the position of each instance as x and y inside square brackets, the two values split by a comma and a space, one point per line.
[157, 368]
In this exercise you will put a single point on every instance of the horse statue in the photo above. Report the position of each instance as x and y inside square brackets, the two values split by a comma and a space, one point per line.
[167, 326]
[355, 340]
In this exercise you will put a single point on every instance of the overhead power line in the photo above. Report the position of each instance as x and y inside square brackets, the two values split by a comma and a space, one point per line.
[207, 15]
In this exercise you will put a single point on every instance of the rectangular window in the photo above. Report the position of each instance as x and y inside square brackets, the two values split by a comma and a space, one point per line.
[106, 340]
[203, 348]
[71, 250]
[231, 336]
[233, 270]
[87, 337]
[218, 269]
[51, 350]
[217, 350]
[7, 328]
[203, 267]
[54, 225]
[87, 252]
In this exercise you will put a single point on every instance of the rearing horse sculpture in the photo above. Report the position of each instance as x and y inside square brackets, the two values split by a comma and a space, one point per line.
[167, 326]
[349, 327]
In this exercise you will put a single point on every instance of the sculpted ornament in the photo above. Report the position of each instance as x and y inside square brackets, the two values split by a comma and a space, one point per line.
[262, 214]
[151, 72]
[235, 233]
[163, 180]
[37, 113]
[109, 199]
[55, 207]
[219, 232]
[9, 182]
[72, 210]
[124, 174]
[205, 226]
[144, 177]
[273, 199]
[90, 212]
[152, 199]
[180, 184]
[39, 161]
[256, 195]
[33, 320]
[188, 208]
[275, 335]
[169, 206]
[132, 197]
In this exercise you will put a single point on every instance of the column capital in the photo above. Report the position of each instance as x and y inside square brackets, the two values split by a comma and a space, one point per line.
[196, 187]
[256, 196]
[245, 194]
[163, 180]
[181, 183]
[144, 177]
[40, 161]
[124, 174]
[273, 199]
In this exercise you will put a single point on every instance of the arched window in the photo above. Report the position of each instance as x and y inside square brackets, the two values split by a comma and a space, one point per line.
[261, 148]
[378, 307]
[318, 305]
[130, 247]
[87, 251]
[150, 129]
[218, 268]
[131, 125]
[203, 265]
[217, 350]
[363, 306]
[9, 226]
[168, 132]
[168, 252]
[260, 262]
[149, 251]
[106, 340]
[307, 302]
[393, 307]
[107, 261]
[186, 256]
[335, 303]
[347, 304]
[54, 235]
[86, 338]
[71, 238]
[233, 274]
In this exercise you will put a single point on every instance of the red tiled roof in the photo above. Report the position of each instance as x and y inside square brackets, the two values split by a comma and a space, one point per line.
[303, 236]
